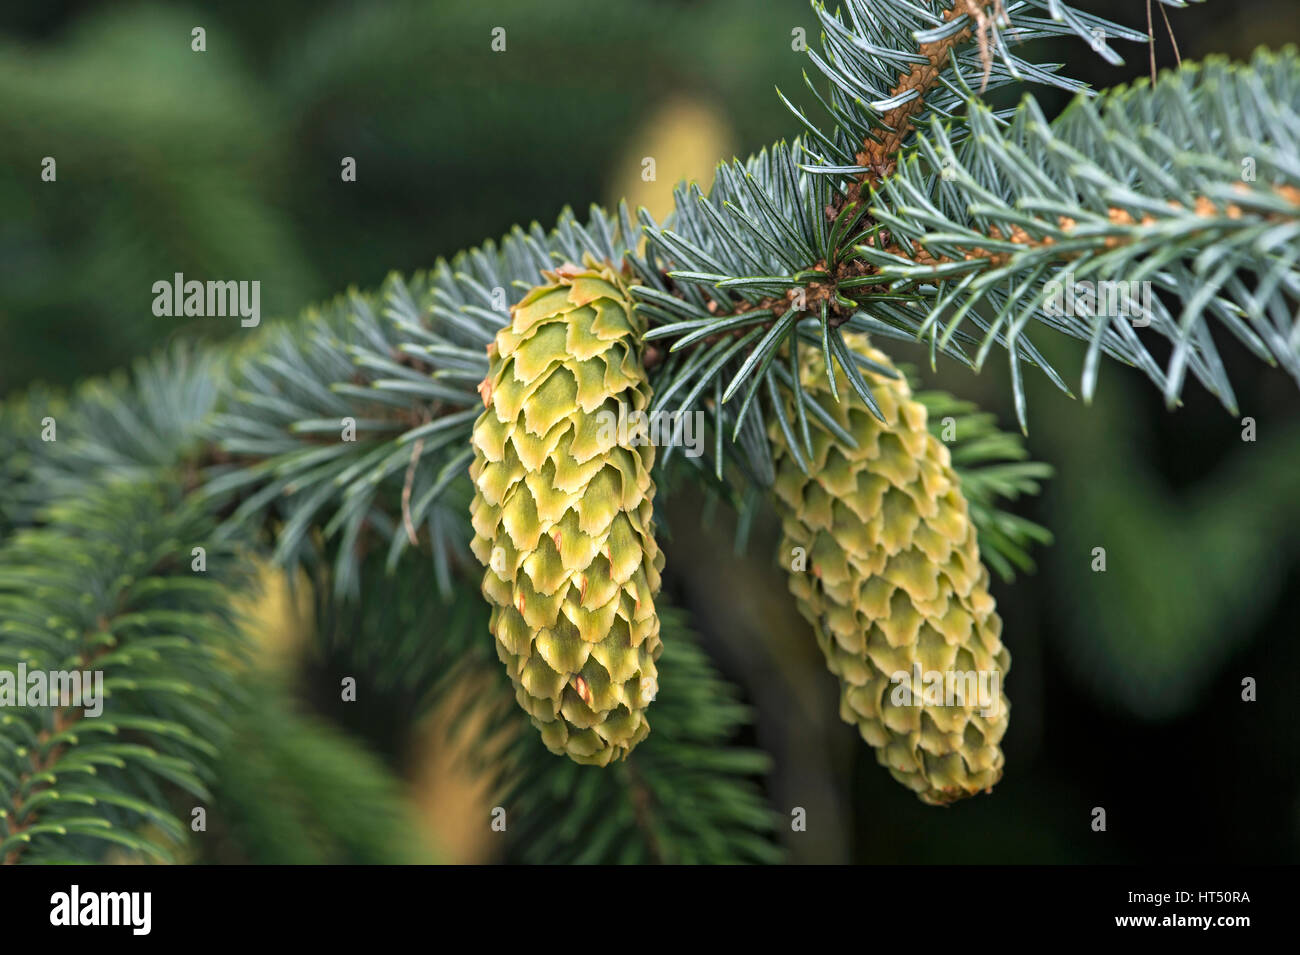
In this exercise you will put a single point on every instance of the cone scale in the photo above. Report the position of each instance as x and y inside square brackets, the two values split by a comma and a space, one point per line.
[562, 514]
[885, 565]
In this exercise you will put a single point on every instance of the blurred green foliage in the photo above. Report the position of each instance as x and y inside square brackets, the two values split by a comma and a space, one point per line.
[226, 164]
[167, 161]
[293, 790]
[1191, 573]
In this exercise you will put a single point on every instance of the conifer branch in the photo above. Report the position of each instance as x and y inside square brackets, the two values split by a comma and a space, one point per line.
[878, 153]
[993, 227]
[918, 214]
[106, 591]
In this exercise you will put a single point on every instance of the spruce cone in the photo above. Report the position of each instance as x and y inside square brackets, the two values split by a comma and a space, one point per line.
[562, 514]
[894, 587]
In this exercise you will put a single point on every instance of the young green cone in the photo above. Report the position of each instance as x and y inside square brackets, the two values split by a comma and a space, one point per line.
[562, 514]
[884, 564]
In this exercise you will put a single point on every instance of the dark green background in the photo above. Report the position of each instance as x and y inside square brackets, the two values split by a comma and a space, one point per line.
[1125, 686]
